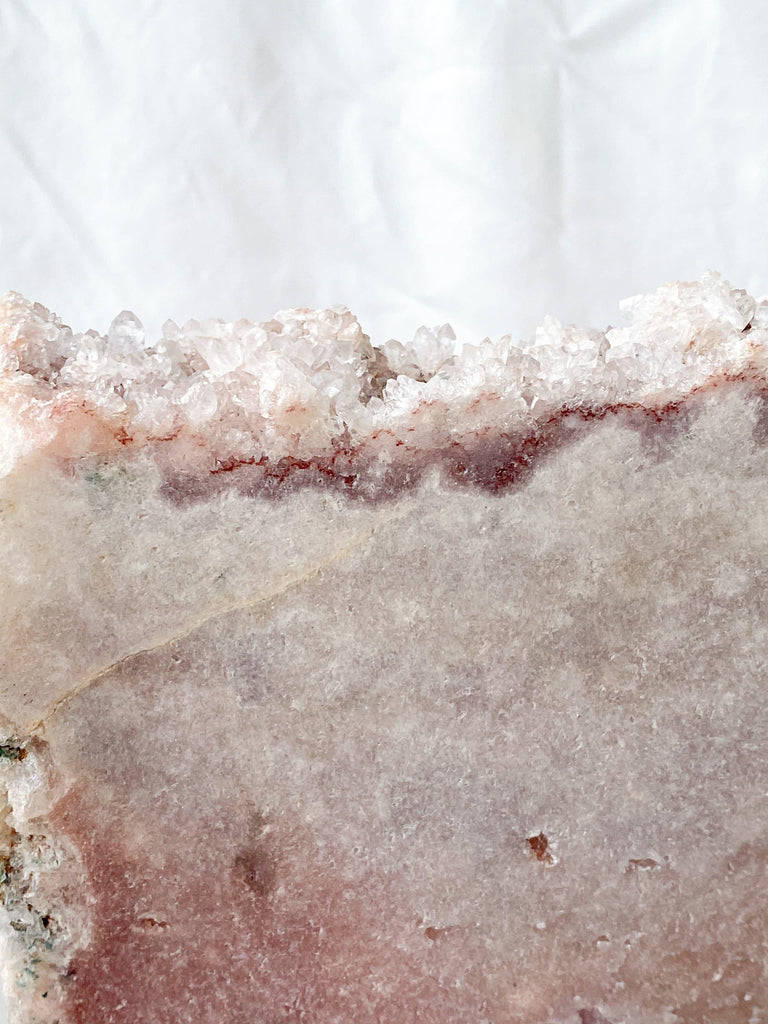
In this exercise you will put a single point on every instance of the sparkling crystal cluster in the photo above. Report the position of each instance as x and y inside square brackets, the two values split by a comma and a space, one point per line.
[297, 384]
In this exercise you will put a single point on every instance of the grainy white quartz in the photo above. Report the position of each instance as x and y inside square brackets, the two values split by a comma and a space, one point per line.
[351, 685]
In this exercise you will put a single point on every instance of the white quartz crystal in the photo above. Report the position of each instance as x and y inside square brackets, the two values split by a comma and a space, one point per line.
[294, 385]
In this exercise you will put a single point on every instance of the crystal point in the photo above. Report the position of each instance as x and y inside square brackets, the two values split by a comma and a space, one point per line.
[126, 333]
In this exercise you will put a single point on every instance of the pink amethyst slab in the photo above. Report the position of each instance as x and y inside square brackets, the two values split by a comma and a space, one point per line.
[410, 684]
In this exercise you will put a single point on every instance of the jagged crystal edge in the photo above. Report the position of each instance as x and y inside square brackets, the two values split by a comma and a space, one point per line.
[296, 384]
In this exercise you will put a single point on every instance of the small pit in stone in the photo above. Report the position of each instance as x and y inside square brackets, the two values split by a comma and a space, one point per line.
[539, 845]
[641, 864]
[150, 924]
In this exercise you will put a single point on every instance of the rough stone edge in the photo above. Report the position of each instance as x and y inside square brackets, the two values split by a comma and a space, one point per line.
[40, 932]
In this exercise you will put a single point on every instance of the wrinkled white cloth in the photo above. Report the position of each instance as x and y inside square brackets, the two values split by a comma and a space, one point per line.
[480, 163]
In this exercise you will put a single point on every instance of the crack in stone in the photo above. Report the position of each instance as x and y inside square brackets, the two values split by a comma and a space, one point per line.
[38, 727]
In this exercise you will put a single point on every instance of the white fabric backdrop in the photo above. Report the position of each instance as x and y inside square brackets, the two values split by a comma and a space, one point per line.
[478, 161]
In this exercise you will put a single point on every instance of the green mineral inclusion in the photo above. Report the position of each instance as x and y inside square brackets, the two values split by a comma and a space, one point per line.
[97, 480]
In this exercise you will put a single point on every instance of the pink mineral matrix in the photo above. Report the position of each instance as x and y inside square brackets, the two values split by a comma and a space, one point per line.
[422, 683]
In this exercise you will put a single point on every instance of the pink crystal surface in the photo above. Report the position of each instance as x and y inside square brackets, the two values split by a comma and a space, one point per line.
[415, 683]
